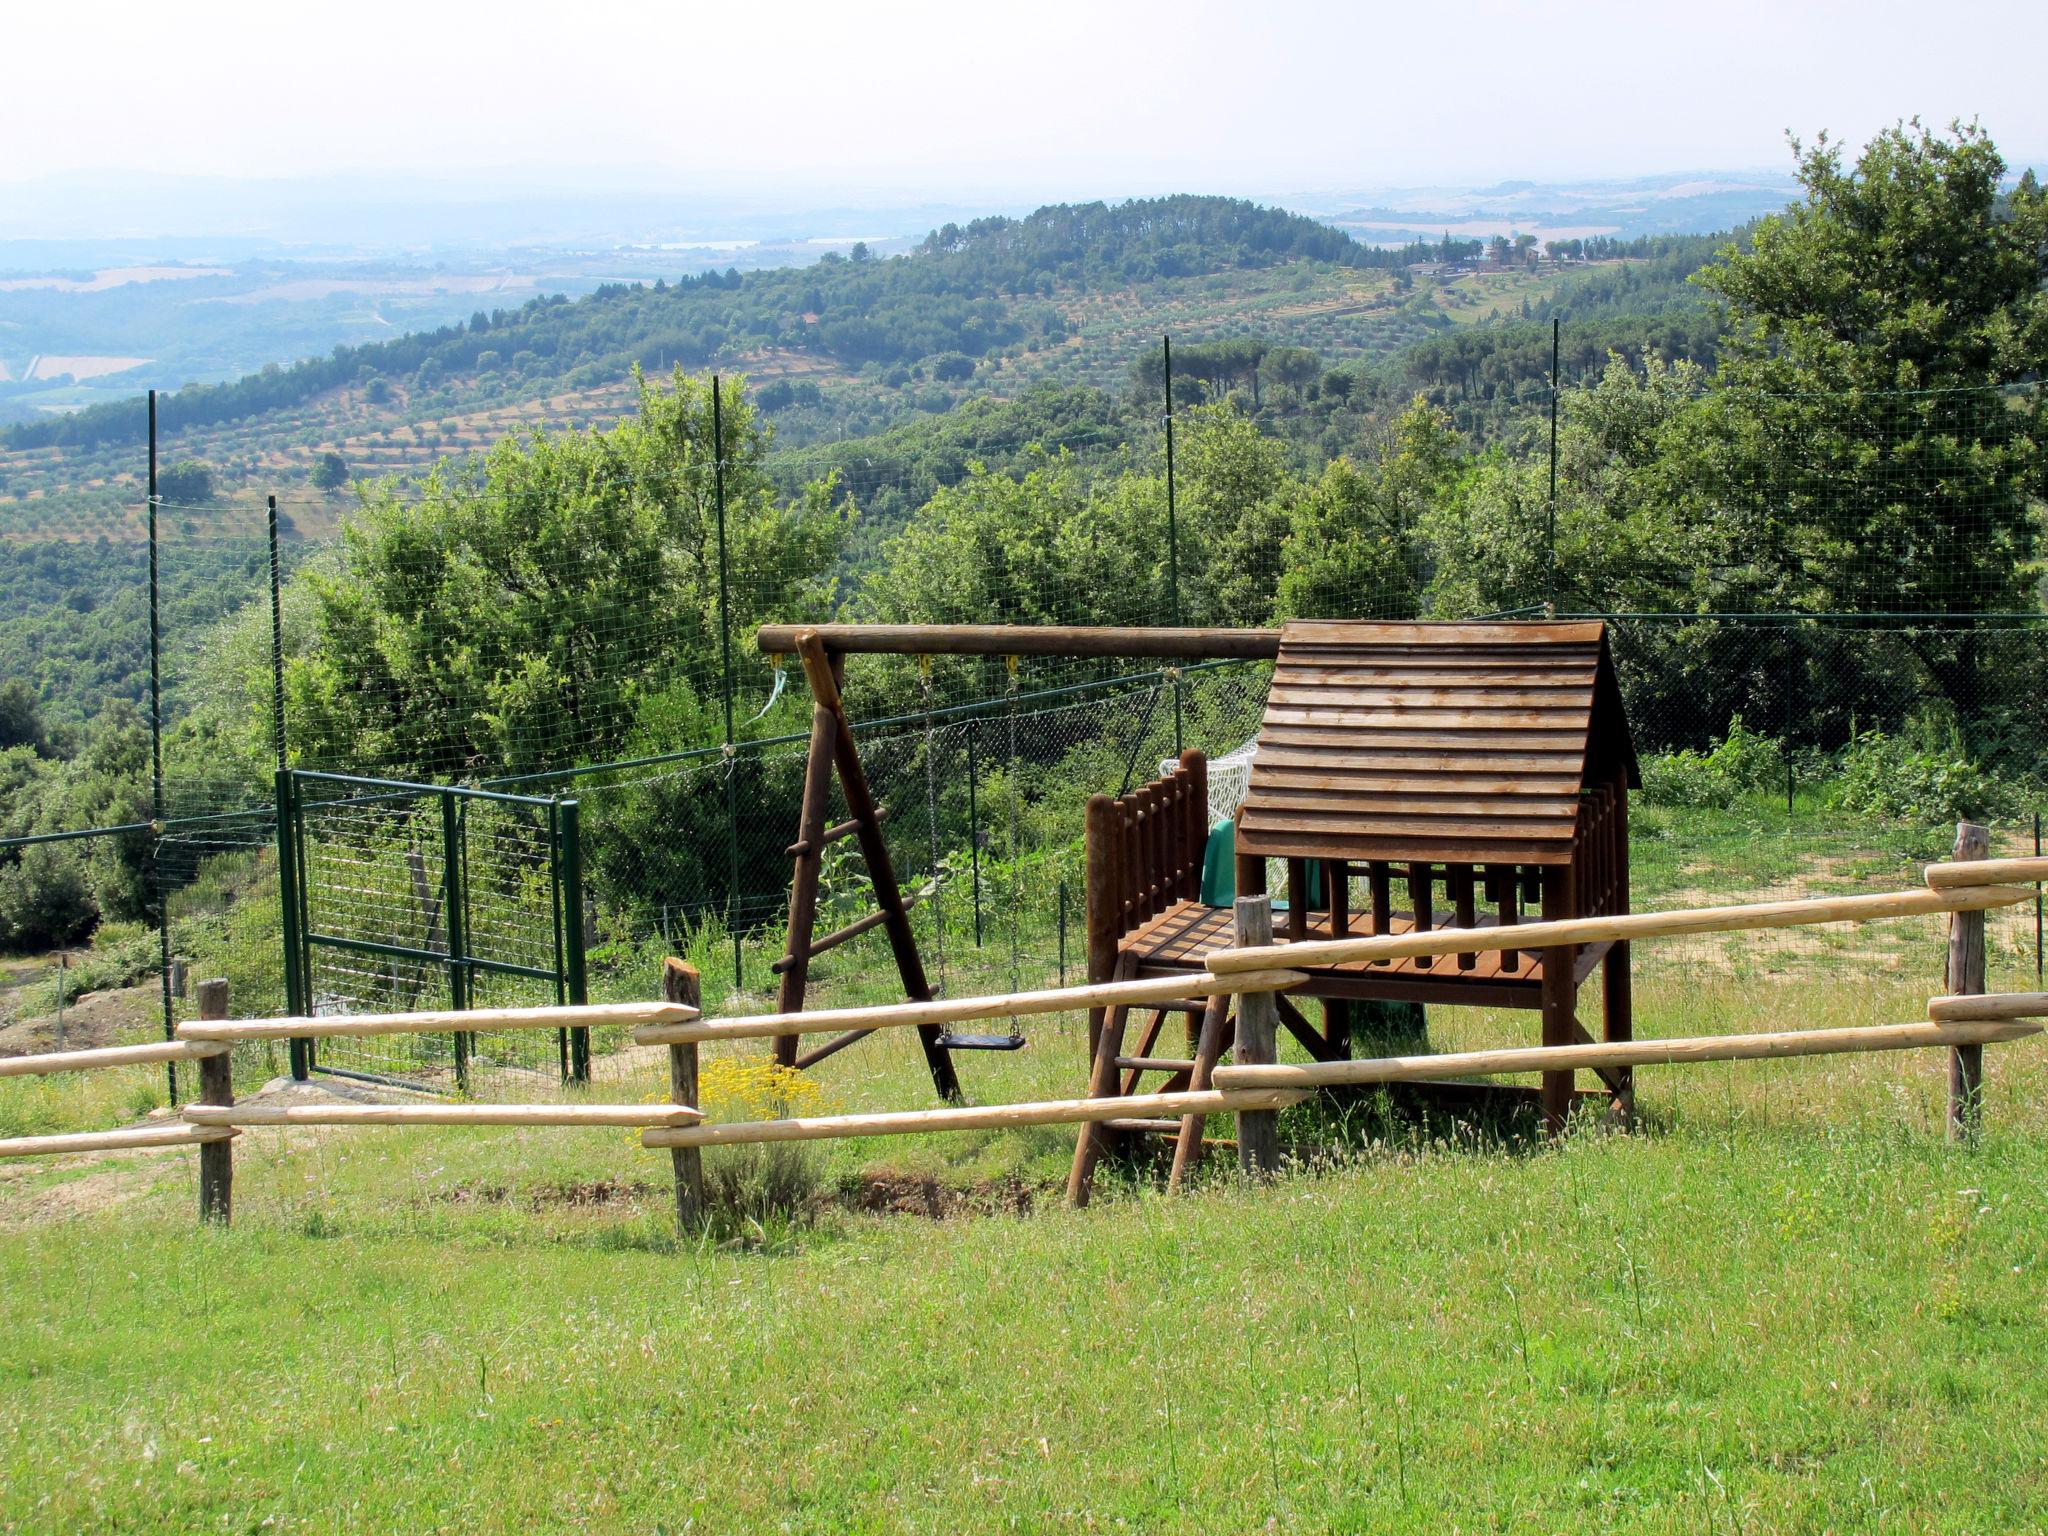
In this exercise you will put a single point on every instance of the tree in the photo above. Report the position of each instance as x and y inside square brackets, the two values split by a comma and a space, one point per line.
[559, 602]
[21, 717]
[1294, 368]
[330, 471]
[188, 480]
[1878, 327]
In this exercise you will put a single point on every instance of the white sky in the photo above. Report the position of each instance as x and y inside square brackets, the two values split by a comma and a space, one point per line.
[942, 100]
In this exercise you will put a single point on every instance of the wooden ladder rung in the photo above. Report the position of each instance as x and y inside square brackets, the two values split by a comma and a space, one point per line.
[839, 936]
[1154, 1064]
[831, 835]
[1155, 1127]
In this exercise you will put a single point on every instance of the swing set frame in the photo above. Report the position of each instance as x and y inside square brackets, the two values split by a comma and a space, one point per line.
[822, 650]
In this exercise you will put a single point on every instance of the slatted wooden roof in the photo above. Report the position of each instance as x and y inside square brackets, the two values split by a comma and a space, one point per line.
[1449, 742]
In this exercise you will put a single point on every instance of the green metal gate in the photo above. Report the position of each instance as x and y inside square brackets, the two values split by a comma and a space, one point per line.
[401, 897]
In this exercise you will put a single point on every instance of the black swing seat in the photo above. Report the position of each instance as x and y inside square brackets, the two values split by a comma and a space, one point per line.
[952, 1042]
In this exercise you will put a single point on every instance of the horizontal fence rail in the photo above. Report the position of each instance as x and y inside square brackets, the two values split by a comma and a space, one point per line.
[1633, 1053]
[1635, 925]
[455, 1021]
[1158, 989]
[111, 1056]
[975, 1118]
[443, 1114]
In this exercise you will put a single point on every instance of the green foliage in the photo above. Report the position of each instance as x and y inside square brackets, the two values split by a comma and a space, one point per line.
[187, 481]
[467, 630]
[1924, 781]
[330, 471]
[44, 899]
[1741, 765]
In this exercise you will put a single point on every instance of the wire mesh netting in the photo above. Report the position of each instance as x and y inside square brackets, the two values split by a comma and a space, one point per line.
[1825, 611]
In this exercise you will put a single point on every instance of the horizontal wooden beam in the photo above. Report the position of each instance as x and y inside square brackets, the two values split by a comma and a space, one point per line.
[1629, 1053]
[1633, 925]
[466, 1021]
[1108, 994]
[980, 1117]
[111, 1056]
[1022, 640]
[135, 1138]
[443, 1114]
[1988, 1005]
[1946, 877]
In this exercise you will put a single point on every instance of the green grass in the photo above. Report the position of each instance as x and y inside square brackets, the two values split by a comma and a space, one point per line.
[1784, 1305]
[1747, 1322]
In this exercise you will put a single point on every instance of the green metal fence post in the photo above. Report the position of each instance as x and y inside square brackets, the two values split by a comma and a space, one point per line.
[295, 1001]
[156, 772]
[455, 926]
[1172, 531]
[572, 933]
[974, 824]
[1550, 529]
[732, 794]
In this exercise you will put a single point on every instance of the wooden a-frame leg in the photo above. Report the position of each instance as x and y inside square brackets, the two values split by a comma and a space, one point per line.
[803, 886]
[1617, 1004]
[1093, 1139]
[1209, 1048]
[1146, 1042]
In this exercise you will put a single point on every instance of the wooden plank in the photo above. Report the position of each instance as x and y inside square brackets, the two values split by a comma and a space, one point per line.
[1379, 803]
[1951, 876]
[1020, 640]
[956, 1010]
[1991, 1005]
[111, 1056]
[441, 1113]
[1620, 1053]
[1522, 824]
[1636, 925]
[1419, 782]
[134, 1138]
[1571, 699]
[1351, 632]
[473, 1021]
[976, 1118]
[1566, 724]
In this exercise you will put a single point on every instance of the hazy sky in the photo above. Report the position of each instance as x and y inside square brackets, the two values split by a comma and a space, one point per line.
[1053, 97]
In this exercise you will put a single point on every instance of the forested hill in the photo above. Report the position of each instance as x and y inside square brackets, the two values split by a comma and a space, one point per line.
[964, 291]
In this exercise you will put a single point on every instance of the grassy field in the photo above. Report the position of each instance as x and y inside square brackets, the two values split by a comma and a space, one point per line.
[1785, 1304]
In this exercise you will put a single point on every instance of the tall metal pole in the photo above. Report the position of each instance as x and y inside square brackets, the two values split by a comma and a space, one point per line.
[453, 925]
[572, 933]
[1550, 536]
[276, 642]
[1172, 530]
[732, 788]
[156, 771]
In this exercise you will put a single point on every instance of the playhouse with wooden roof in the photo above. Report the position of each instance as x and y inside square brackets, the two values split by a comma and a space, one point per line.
[1406, 777]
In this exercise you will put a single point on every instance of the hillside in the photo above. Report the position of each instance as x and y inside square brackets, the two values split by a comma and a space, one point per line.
[843, 348]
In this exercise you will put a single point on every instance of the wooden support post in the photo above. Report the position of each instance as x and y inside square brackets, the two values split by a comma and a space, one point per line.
[680, 983]
[1251, 867]
[803, 887]
[1208, 1051]
[216, 1086]
[1258, 1022]
[824, 674]
[1298, 912]
[1380, 882]
[1966, 975]
[1104, 902]
[1559, 995]
[1102, 1083]
[1617, 1002]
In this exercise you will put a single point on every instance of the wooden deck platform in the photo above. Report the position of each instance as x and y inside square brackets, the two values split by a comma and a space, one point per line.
[1177, 939]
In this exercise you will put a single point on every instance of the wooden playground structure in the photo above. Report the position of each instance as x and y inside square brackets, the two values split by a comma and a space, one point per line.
[1482, 771]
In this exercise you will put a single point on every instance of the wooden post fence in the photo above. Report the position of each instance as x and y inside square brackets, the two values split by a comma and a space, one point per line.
[1967, 969]
[1258, 1025]
[680, 983]
[216, 1088]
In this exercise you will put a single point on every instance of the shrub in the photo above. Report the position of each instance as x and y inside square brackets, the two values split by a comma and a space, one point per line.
[1898, 779]
[1743, 763]
[760, 1194]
